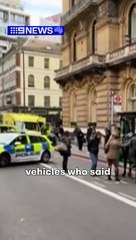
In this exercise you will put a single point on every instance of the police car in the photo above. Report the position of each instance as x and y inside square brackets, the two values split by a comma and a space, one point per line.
[18, 147]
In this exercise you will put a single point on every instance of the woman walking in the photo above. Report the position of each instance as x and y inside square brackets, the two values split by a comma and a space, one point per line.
[114, 146]
[65, 150]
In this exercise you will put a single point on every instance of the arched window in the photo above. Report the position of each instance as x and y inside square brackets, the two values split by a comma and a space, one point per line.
[132, 24]
[131, 96]
[74, 48]
[94, 38]
[72, 3]
[30, 81]
[46, 82]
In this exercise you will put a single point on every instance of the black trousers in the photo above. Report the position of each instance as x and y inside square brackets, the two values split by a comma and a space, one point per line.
[125, 158]
[80, 145]
[65, 163]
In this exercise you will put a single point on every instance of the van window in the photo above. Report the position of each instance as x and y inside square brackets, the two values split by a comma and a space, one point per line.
[3, 129]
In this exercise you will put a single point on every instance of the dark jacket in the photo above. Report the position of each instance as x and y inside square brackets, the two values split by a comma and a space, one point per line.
[93, 145]
[89, 133]
[61, 130]
[67, 142]
[107, 136]
[132, 150]
[80, 136]
[126, 139]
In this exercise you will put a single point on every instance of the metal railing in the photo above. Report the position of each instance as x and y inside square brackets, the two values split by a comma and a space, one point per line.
[80, 6]
[112, 57]
[121, 52]
[81, 64]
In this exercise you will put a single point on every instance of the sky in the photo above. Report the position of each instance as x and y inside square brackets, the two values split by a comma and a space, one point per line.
[41, 8]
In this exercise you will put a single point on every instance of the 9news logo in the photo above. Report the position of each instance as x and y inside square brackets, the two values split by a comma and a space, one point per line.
[35, 30]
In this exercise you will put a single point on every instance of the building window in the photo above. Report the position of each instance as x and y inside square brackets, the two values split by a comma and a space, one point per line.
[1, 15]
[94, 38]
[47, 82]
[30, 81]
[74, 48]
[3, 30]
[72, 3]
[60, 64]
[60, 102]
[132, 97]
[17, 19]
[31, 61]
[47, 101]
[132, 24]
[31, 101]
[46, 63]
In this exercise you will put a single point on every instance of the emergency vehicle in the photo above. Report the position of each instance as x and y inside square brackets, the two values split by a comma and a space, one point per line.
[23, 121]
[22, 147]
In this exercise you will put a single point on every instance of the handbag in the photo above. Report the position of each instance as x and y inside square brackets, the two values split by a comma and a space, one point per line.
[61, 147]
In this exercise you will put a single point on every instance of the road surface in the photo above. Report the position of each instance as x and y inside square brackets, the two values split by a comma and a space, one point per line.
[64, 207]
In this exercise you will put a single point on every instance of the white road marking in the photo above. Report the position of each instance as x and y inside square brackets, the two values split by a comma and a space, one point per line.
[127, 196]
[124, 182]
[99, 189]
[99, 184]
[22, 220]
[97, 178]
[109, 182]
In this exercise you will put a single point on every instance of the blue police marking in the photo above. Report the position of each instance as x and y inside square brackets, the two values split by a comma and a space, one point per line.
[44, 146]
[9, 148]
[28, 148]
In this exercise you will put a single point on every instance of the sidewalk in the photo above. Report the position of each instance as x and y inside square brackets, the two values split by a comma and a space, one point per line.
[84, 153]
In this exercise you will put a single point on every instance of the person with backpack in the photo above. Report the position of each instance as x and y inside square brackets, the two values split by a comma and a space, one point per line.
[64, 148]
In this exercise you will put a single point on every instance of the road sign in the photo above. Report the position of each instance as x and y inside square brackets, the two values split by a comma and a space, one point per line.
[117, 99]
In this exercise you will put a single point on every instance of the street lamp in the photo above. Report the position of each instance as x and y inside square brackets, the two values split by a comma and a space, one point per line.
[24, 92]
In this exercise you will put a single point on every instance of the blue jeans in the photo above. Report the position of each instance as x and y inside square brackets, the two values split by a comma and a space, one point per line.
[94, 158]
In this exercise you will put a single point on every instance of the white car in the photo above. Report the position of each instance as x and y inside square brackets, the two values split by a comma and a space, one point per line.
[17, 147]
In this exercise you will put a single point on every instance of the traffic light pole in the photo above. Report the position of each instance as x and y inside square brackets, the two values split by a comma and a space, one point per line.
[112, 109]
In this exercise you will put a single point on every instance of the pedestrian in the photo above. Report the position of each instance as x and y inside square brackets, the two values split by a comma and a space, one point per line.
[61, 131]
[127, 154]
[93, 149]
[76, 131]
[132, 151]
[66, 150]
[80, 139]
[56, 132]
[89, 133]
[107, 136]
[114, 146]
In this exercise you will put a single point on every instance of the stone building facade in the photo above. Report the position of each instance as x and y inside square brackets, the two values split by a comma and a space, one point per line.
[99, 56]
